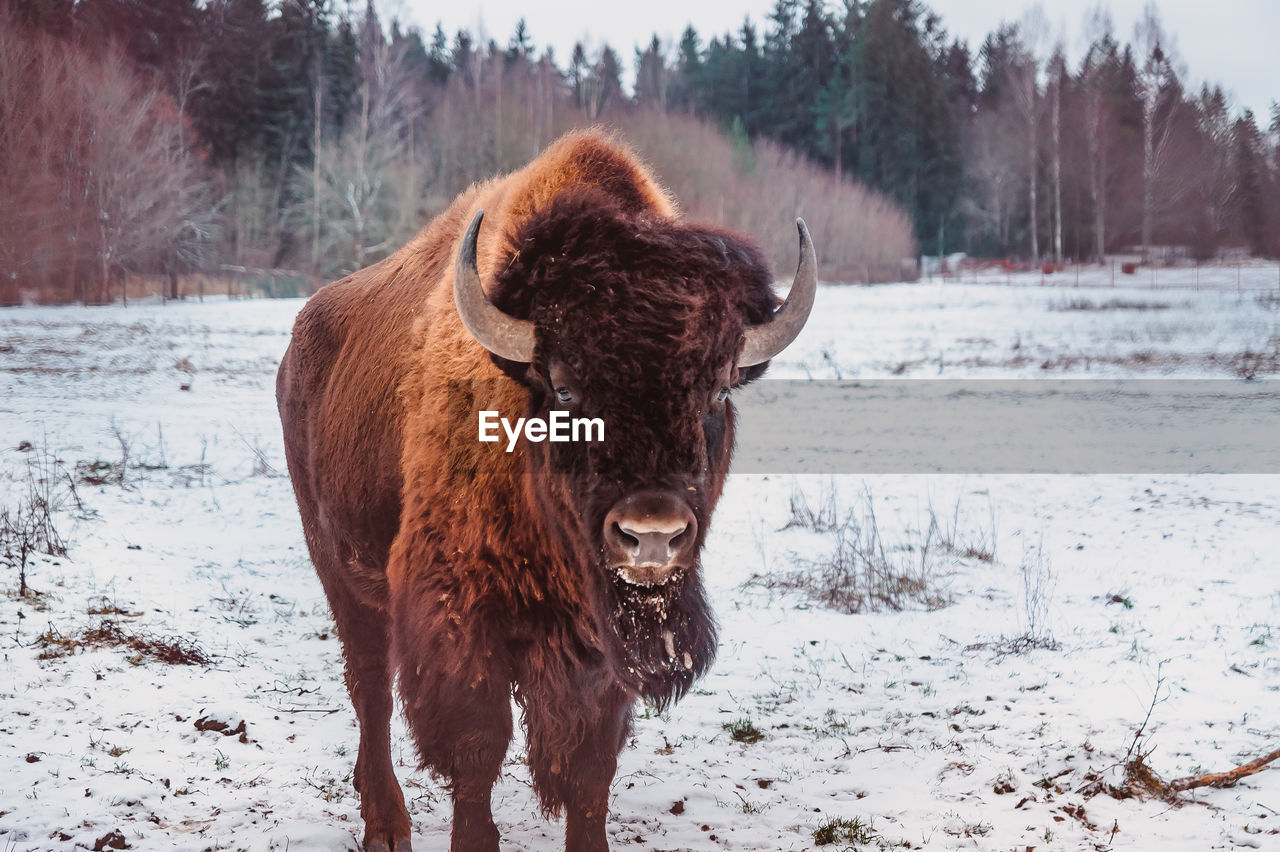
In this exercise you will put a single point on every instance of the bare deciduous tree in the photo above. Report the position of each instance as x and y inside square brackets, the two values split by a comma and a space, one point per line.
[96, 171]
[361, 196]
[1057, 73]
[992, 155]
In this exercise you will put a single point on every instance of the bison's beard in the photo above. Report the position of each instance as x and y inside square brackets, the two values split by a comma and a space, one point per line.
[665, 635]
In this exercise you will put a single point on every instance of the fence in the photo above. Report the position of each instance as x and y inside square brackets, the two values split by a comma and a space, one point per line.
[1248, 276]
[233, 282]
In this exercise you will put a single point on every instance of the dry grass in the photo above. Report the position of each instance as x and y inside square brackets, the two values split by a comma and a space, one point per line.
[107, 633]
[1246, 364]
[864, 573]
[1110, 305]
[1039, 582]
[28, 526]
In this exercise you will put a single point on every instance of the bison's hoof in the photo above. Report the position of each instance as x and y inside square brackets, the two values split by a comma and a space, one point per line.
[377, 844]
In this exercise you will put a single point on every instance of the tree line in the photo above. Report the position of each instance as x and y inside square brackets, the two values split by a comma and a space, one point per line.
[290, 143]
[1006, 149]
[249, 137]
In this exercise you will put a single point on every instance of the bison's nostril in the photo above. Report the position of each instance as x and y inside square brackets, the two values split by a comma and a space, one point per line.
[625, 540]
[655, 544]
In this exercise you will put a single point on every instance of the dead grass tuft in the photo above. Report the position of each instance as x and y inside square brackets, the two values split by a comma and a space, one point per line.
[1110, 305]
[108, 633]
[863, 573]
[1039, 581]
[29, 525]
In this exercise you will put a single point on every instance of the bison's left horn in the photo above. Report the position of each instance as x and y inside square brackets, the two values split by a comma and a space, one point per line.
[500, 333]
[767, 339]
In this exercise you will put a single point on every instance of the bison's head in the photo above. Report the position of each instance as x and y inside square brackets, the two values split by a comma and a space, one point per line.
[647, 324]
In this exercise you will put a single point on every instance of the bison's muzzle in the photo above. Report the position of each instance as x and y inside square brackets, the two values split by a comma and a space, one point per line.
[649, 536]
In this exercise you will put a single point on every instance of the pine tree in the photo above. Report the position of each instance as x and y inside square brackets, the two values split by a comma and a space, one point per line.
[686, 91]
[521, 44]
[651, 76]
[1249, 195]
[229, 110]
[438, 66]
[907, 144]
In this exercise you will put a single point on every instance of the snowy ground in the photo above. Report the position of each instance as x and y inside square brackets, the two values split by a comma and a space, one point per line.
[934, 726]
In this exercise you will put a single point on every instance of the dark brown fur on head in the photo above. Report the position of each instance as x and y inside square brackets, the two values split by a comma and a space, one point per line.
[646, 315]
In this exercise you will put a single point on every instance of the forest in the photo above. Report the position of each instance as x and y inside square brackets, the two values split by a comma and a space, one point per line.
[288, 143]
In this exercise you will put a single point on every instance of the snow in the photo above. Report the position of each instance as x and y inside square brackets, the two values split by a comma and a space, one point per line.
[1143, 587]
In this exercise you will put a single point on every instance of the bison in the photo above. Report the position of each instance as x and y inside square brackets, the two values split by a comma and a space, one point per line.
[564, 574]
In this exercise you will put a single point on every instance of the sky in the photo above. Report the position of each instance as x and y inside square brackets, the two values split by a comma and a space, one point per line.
[1232, 42]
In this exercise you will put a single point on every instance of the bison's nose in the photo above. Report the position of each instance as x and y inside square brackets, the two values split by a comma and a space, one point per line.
[648, 535]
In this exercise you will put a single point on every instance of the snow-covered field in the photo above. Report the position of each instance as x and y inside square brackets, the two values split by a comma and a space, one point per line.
[995, 711]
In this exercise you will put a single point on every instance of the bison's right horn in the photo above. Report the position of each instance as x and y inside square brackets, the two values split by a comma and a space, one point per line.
[499, 332]
[767, 339]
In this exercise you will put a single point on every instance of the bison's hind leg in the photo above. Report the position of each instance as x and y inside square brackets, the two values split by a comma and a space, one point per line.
[366, 646]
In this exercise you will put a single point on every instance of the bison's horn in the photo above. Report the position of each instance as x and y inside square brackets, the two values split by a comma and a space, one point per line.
[500, 333]
[767, 339]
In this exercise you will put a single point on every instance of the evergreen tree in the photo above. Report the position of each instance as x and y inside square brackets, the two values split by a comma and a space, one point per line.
[341, 70]
[1249, 196]
[521, 45]
[907, 142]
[809, 69]
[438, 65]
[407, 44]
[651, 76]
[578, 71]
[751, 79]
[153, 33]
[686, 92]
[228, 108]
[836, 107]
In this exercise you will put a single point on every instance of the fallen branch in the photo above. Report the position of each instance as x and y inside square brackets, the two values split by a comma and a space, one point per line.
[1224, 779]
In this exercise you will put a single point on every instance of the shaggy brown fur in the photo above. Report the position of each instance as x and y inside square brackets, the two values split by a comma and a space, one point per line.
[473, 574]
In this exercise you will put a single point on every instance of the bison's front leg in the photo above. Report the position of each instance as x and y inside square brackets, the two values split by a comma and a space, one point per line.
[459, 710]
[573, 755]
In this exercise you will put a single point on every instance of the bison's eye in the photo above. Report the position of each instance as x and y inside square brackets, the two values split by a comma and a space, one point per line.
[722, 394]
[565, 395]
